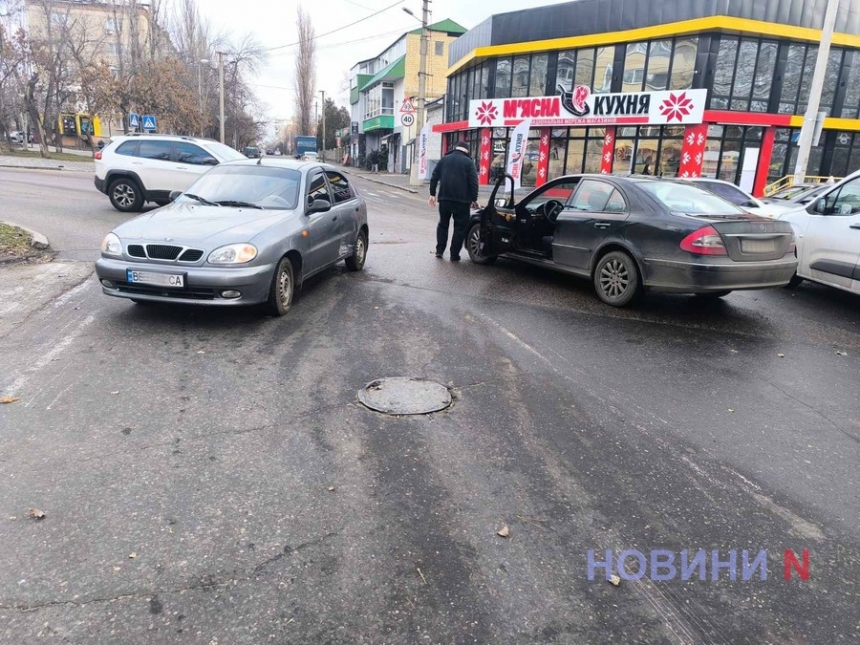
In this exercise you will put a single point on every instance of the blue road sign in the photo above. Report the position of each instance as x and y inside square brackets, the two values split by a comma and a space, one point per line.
[149, 122]
[133, 120]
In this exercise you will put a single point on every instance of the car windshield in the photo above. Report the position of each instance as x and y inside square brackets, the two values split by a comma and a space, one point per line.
[225, 152]
[680, 198]
[266, 187]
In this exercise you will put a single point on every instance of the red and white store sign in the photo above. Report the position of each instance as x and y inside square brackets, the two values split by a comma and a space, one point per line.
[582, 108]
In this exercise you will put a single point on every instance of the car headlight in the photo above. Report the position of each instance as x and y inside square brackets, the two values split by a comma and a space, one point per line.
[112, 245]
[233, 254]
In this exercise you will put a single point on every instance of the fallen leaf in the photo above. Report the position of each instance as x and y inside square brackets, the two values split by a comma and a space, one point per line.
[36, 514]
[132, 556]
[331, 489]
[9, 399]
[504, 532]
[730, 410]
[615, 581]
[781, 355]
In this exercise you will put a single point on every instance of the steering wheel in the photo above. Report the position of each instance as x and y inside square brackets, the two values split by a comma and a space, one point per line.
[551, 209]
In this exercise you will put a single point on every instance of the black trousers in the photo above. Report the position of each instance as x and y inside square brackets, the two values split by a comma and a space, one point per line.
[460, 212]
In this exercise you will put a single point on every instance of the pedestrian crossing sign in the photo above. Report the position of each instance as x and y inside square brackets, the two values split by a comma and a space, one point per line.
[407, 107]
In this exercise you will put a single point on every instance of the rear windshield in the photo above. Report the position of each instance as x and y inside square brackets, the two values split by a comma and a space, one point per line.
[266, 187]
[682, 198]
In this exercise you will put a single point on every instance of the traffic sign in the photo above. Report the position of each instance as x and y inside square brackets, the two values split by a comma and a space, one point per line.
[407, 120]
[149, 123]
[407, 107]
[133, 120]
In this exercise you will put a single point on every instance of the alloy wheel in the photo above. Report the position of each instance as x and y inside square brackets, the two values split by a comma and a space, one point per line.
[475, 242]
[123, 195]
[614, 278]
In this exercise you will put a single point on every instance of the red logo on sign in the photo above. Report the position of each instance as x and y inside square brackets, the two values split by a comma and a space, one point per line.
[486, 113]
[677, 106]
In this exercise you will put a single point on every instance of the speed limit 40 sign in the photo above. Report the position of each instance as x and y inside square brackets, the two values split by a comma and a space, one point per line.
[407, 119]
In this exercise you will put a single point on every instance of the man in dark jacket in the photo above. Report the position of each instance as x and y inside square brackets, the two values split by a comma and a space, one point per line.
[457, 180]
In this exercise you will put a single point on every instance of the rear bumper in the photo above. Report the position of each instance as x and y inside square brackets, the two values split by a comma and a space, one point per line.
[203, 284]
[100, 184]
[721, 275]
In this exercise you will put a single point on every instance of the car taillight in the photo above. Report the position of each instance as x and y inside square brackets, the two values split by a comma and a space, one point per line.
[705, 241]
[98, 155]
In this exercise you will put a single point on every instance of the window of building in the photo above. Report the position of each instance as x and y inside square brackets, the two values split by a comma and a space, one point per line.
[806, 78]
[724, 73]
[791, 78]
[520, 85]
[764, 72]
[503, 78]
[683, 64]
[831, 76]
[634, 67]
[744, 75]
[603, 70]
[440, 48]
[113, 25]
[537, 82]
[659, 65]
[565, 70]
[852, 86]
[584, 67]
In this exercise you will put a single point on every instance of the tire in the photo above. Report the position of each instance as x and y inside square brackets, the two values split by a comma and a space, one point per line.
[616, 279]
[713, 295]
[794, 282]
[282, 289]
[355, 262]
[125, 195]
[473, 246]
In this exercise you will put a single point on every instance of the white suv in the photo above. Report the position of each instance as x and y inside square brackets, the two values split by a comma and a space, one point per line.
[132, 170]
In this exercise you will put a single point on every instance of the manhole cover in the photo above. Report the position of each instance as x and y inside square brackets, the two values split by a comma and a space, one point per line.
[403, 395]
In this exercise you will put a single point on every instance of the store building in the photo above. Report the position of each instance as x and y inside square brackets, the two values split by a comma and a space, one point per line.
[379, 85]
[613, 86]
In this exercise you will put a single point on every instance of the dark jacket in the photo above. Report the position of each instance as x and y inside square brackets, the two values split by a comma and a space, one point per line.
[456, 172]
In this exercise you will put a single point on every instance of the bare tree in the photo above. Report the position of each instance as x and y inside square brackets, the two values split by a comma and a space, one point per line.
[305, 81]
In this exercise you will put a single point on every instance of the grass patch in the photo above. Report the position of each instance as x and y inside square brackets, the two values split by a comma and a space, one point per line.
[55, 156]
[14, 243]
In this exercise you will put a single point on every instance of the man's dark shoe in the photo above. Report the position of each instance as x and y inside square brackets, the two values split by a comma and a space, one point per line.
[438, 255]
[455, 258]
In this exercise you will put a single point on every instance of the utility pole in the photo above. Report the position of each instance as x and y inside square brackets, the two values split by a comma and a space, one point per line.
[221, 96]
[322, 152]
[202, 61]
[811, 116]
[422, 88]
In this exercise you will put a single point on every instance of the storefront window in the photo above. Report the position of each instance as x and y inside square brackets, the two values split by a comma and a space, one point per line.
[603, 70]
[537, 83]
[530, 163]
[585, 67]
[594, 150]
[566, 70]
[503, 78]
[659, 57]
[625, 146]
[684, 64]
[831, 76]
[521, 77]
[634, 67]
[841, 152]
[791, 79]
[852, 87]
[575, 154]
[724, 73]
[764, 76]
[744, 75]
[557, 153]
[806, 78]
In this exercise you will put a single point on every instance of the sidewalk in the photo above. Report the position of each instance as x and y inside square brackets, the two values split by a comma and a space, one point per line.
[37, 163]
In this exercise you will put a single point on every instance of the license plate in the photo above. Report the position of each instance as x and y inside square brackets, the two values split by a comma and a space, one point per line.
[758, 246]
[174, 280]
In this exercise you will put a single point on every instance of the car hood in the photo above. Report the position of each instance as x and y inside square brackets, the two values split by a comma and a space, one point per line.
[188, 223]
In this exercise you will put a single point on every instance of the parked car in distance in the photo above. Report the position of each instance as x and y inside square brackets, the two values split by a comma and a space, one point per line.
[633, 234]
[738, 196]
[310, 156]
[244, 233]
[133, 170]
[251, 152]
[18, 137]
[828, 236]
[797, 194]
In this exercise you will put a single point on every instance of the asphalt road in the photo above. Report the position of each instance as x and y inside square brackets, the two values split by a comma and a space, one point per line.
[227, 454]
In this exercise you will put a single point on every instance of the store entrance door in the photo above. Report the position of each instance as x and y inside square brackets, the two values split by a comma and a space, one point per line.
[749, 166]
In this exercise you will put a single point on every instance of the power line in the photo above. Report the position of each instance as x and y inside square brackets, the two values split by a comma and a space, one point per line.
[334, 31]
[352, 42]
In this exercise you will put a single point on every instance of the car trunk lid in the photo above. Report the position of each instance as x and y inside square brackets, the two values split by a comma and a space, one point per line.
[754, 239]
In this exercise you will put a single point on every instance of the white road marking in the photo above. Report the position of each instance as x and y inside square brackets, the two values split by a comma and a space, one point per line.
[373, 194]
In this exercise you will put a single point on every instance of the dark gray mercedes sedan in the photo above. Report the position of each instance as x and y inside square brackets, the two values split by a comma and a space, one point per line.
[245, 233]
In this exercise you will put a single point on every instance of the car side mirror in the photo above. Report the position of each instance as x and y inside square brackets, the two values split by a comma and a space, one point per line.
[319, 206]
[174, 194]
[210, 161]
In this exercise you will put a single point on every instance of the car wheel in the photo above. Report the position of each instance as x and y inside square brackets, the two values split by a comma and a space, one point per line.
[713, 295]
[355, 262]
[282, 289]
[125, 195]
[473, 246]
[616, 279]
[794, 282]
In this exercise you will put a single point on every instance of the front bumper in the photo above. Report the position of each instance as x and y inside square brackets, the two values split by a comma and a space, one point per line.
[721, 274]
[203, 284]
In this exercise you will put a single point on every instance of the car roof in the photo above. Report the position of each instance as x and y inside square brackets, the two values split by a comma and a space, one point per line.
[282, 162]
[167, 137]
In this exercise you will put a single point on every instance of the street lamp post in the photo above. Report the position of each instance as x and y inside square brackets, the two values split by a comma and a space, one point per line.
[422, 87]
[322, 152]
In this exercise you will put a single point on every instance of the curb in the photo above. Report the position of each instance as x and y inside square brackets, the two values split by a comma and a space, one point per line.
[37, 240]
[59, 167]
[385, 183]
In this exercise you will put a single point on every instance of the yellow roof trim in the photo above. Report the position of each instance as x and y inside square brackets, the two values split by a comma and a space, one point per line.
[831, 123]
[684, 27]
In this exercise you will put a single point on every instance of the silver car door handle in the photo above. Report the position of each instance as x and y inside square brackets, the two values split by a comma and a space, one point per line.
[602, 224]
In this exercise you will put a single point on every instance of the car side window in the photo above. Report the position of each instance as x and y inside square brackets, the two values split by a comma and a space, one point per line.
[729, 193]
[194, 155]
[127, 149]
[845, 201]
[339, 187]
[317, 188]
[559, 192]
[616, 203]
[592, 196]
[157, 150]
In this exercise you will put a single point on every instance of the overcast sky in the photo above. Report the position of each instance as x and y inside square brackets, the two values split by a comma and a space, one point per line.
[272, 22]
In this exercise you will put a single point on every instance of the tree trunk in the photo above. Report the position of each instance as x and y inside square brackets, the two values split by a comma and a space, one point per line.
[35, 118]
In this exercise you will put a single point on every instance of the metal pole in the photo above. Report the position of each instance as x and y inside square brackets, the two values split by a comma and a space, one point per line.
[422, 90]
[221, 96]
[806, 133]
[322, 152]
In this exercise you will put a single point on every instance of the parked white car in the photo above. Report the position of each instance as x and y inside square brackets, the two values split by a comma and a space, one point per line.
[827, 234]
[740, 197]
[133, 170]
